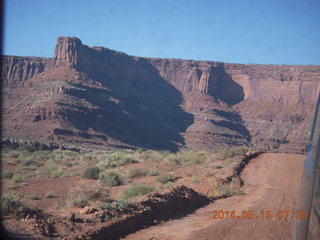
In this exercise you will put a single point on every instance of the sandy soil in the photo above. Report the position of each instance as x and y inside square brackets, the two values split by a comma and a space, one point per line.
[271, 183]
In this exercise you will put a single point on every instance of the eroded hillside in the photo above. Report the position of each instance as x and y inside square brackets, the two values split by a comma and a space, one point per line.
[99, 97]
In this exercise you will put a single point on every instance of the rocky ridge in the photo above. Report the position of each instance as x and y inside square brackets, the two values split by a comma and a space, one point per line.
[100, 97]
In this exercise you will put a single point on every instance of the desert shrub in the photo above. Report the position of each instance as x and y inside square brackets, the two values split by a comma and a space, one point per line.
[88, 157]
[90, 192]
[193, 157]
[165, 177]
[69, 164]
[102, 165]
[231, 152]
[121, 162]
[13, 154]
[153, 173]
[195, 161]
[136, 173]
[169, 184]
[11, 204]
[92, 173]
[116, 156]
[23, 184]
[23, 168]
[6, 174]
[122, 204]
[26, 148]
[31, 174]
[117, 159]
[28, 162]
[49, 194]
[76, 174]
[79, 201]
[10, 185]
[32, 197]
[57, 172]
[66, 174]
[110, 178]
[219, 188]
[173, 158]
[51, 169]
[240, 150]
[195, 179]
[105, 205]
[136, 190]
[17, 177]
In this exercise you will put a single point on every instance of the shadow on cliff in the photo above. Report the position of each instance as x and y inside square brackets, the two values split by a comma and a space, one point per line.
[233, 122]
[137, 106]
[222, 87]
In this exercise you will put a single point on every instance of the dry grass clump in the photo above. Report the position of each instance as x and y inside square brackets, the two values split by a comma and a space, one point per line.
[165, 178]
[91, 192]
[136, 173]
[136, 190]
[11, 204]
[219, 188]
[110, 178]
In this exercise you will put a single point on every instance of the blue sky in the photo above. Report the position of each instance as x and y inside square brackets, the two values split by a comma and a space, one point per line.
[238, 31]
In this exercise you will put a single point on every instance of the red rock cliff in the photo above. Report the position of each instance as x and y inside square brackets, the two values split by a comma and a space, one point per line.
[172, 102]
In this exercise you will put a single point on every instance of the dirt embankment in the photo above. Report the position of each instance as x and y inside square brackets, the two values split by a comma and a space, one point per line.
[151, 210]
[156, 207]
[271, 183]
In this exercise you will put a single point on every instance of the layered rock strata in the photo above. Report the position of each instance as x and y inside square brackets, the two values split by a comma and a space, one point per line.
[100, 97]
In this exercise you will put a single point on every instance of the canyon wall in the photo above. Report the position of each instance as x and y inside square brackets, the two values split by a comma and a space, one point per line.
[100, 97]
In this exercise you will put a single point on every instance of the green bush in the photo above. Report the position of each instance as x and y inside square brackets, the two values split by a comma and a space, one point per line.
[136, 173]
[32, 197]
[165, 177]
[92, 173]
[57, 172]
[28, 162]
[110, 178]
[136, 190]
[169, 184]
[232, 152]
[10, 185]
[153, 173]
[24, 168]
[122, 204]
[18, 177]
[79, 202]
[52, 170]
[12, 204]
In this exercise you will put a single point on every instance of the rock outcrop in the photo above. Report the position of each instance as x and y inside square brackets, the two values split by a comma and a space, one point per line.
[100, 97]
[16, 70]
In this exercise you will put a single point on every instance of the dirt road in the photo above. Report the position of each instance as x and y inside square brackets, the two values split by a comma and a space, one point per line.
[271, 183]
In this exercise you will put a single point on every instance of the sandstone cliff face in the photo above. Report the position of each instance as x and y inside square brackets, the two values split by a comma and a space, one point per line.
[98, 96]
[16, 70]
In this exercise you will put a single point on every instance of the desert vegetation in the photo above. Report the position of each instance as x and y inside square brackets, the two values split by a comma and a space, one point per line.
[102, 186]
[109, 180]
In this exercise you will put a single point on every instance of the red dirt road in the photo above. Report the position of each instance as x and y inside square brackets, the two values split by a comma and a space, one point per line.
[271, 183]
